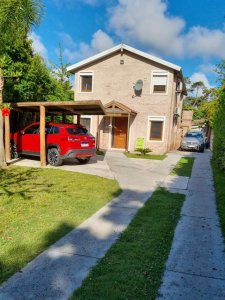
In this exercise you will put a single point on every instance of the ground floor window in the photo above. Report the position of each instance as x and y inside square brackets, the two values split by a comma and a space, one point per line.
[156, 128]
[86, 122]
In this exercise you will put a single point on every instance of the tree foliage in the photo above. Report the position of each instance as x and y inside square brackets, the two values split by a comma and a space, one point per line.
[204, 105]
[27, 77]
[219, 132]
[219, 121]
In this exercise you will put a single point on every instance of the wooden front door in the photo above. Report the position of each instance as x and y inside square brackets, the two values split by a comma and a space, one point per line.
[119, 132]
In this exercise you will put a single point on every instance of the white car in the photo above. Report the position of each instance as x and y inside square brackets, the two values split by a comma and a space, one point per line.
[193, 140]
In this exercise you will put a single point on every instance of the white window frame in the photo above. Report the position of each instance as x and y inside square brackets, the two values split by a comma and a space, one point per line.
[88, 117]
[83, 73]
[156, 118]
[158, 72]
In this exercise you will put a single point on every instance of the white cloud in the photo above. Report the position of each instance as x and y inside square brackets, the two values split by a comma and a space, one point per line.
[101, 41]
[67, 39]
[38, 46]
[207, 68]
[148, 22]
[199, 76]
[202, 41]
[75, 52]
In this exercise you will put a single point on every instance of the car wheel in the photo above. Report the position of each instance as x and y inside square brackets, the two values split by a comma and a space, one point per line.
[202, 149]
[83, 160]
[13, 150]
[53, 157]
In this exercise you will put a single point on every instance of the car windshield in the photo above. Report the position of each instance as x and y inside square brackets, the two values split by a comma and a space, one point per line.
[77, 130]
[197, 135]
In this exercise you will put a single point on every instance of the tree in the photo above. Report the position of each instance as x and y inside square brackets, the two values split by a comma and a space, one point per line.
[197, 86]
[16, 19]
[63, 77]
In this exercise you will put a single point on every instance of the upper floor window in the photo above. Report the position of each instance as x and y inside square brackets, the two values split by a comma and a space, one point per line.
[86, 82]
[159, 82]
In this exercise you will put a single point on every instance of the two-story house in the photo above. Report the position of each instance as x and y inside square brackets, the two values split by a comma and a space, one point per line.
[142, 95]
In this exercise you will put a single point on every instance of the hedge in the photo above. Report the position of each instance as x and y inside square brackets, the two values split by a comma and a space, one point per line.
[219, 132]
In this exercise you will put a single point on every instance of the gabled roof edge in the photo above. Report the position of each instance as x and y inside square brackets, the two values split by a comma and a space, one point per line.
[84, 62]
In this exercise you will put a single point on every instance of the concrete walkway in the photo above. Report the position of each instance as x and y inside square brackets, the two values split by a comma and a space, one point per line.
[196, 265]
[59, 270]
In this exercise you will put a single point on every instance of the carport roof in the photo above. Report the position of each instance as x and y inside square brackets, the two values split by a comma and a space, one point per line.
[86, 107]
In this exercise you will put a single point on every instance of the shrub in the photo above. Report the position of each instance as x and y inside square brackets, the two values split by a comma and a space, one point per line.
[219, 132]
[143, 151]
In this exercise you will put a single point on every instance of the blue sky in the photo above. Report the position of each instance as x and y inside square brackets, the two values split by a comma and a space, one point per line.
[186, 32]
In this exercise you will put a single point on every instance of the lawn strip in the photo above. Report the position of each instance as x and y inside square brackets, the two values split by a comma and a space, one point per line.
[183, 167]
[133, 267]
[39, 206]
[219, 180]
[147, 156]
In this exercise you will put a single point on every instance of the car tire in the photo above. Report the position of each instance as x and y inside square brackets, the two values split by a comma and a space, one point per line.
[53, 157]
[83, 160]
[13, 150]
[202, 149]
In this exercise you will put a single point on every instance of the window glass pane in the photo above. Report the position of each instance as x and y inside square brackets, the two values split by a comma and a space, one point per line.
[159, 88]
[156, 130]
[51, 129]
[86, 122]
[32, 130]
[77, 131]
[48, 129]
[55, 129]
[86, 83]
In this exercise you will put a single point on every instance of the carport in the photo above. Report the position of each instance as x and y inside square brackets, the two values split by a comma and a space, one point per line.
[62, 108]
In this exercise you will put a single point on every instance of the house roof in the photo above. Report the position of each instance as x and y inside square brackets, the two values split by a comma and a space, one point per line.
[121, 47]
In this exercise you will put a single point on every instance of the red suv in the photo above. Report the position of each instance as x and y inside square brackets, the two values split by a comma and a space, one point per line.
[62, 141]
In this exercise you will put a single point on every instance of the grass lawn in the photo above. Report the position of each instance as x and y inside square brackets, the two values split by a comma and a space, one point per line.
[38, 206]
[183, 167]
[219, 180]
[133, 267]
[147, 156]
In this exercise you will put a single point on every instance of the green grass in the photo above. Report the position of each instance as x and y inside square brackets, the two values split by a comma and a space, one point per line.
[183, 167]
[133, 267]
[219, 180]
[147, 156]
[38, 206]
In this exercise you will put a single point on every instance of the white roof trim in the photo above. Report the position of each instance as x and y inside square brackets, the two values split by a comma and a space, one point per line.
[121, 47]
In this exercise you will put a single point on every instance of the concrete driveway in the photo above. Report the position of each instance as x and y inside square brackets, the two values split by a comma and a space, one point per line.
[96, 166]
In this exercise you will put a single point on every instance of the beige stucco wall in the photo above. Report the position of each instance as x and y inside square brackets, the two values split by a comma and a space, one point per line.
[115, 81]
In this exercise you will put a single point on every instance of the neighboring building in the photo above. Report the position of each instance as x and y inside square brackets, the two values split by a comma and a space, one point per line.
[142, 95]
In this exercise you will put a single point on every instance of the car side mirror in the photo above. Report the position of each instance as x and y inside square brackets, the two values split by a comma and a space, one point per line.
[22, 132]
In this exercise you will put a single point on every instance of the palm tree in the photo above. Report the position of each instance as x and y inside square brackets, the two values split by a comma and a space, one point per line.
[16, 19]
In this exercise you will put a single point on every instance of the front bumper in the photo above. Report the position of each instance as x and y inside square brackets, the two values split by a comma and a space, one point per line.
[79, 153]
[192, 147]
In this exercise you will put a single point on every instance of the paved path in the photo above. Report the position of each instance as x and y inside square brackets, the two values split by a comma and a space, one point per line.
[58, 271]
[196, 265]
